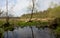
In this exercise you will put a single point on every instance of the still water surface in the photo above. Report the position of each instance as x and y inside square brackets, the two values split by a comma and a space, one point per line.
[27, 33]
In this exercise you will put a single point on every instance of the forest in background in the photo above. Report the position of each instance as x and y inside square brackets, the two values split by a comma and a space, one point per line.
[49, 13]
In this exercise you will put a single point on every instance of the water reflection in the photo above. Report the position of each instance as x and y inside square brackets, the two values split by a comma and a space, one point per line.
[27, 33]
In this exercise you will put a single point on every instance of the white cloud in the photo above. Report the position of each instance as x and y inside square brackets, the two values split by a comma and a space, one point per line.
[44, 4]
[20, 5]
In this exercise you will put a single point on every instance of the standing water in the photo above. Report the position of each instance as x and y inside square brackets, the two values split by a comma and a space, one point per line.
[27, 33]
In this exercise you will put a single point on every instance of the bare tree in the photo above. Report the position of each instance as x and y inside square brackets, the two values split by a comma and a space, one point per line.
[7, 24]
[33, 5]
[7, 17]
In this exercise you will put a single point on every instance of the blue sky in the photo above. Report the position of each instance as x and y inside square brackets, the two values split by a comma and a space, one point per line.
[20, 6]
